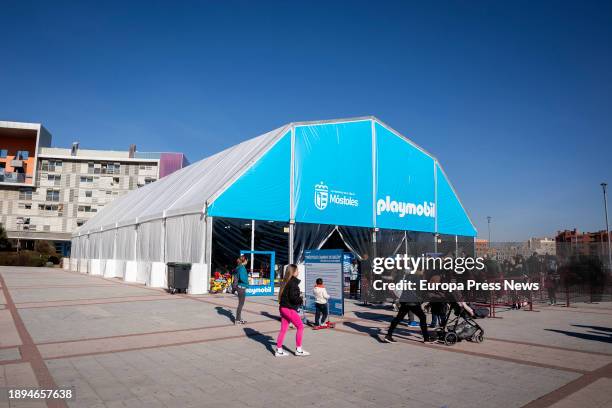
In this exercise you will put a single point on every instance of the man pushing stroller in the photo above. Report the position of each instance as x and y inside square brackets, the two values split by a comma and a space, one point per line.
[410, 301]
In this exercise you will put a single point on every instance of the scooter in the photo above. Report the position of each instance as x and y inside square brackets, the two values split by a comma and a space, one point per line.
[328, 325]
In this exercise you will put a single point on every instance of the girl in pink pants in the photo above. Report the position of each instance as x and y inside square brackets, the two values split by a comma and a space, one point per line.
[290, 300]
[290, 316]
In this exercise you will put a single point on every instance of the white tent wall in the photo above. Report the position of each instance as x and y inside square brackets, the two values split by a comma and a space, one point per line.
[149, 251]
[84, 259]
[149, 246]
[95, 264]
[185, 237]
[75, 253]
[185, 243]
[126, 252]
[107, 254]
[173, 208]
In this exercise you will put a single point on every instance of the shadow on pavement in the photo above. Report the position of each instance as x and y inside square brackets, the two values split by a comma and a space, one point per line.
[377, 317]
[603, 337]
[378, 333]
[376, 306]
[598, 328]
[271, 316]
[268, 341]
[373, 332]
[224, 312]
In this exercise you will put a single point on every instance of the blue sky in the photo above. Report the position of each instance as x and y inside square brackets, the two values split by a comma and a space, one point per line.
[514, 98]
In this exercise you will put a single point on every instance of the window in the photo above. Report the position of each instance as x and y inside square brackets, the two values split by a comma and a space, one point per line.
[3, 153]
[116, 180]
[54, 177]
[80, 222]
[86, 208]
[48, 207]
[88, 193]
[111, 168]
[51, 165]
[90, 168]
[27, 206]
[25, 194]
[53, 195]
[149, 180]
[86, 179]
[22, 155]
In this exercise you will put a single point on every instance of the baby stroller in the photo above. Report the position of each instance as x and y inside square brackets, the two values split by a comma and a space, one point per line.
[460, 327]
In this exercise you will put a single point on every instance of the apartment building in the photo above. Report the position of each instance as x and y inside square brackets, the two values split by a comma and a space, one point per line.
[542, 246]
[47, 192]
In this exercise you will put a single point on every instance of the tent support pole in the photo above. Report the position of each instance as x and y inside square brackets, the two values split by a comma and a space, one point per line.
[252, 244]
[456, 246]
[291, 238]
[116, 232]
[163, 241]
[208, 242]
[135, 241]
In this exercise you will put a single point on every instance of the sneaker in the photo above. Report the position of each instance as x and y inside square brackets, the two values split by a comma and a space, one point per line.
[280, 353]
[302, 353]
[389, 339]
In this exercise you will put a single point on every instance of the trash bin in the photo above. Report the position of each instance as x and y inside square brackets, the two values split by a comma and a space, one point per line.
[178, 277]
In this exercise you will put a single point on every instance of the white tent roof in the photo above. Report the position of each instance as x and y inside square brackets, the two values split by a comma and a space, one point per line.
[185, 191]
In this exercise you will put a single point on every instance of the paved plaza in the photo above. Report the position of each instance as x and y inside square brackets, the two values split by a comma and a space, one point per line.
[126, 345]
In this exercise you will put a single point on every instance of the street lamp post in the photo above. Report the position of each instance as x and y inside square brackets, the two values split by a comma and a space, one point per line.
[605, 196]
[19, 227]
[489, 228]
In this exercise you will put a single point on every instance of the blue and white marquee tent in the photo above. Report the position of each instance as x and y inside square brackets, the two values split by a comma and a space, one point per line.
[287, 190]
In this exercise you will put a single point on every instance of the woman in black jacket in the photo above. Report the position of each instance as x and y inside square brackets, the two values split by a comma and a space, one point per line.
[290, 300]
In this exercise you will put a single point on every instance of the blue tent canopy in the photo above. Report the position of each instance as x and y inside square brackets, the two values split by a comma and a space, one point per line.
[353, 172]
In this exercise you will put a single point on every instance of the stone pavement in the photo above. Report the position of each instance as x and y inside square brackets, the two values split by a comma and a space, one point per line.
[124, 345]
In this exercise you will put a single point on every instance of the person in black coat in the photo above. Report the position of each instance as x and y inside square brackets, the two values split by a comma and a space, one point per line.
[290, 300]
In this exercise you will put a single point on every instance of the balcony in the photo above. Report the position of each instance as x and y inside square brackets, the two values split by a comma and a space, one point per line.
[17, 163]
[11, 177]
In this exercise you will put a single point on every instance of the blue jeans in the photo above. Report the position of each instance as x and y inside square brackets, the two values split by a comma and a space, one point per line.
[320, 314]
[437, 318]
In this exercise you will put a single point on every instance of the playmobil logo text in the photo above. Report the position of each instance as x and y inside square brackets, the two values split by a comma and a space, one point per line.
[402, 209]
[323, 196]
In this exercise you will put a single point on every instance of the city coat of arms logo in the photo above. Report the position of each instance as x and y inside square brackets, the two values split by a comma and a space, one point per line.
[321, 196]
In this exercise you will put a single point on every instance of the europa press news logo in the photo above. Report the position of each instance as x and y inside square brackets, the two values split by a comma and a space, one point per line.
[321, 196]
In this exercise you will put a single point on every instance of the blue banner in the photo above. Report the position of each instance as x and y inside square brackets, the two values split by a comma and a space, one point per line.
[452, 218]
[405, 199]
[333, 174]
[262, 192]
